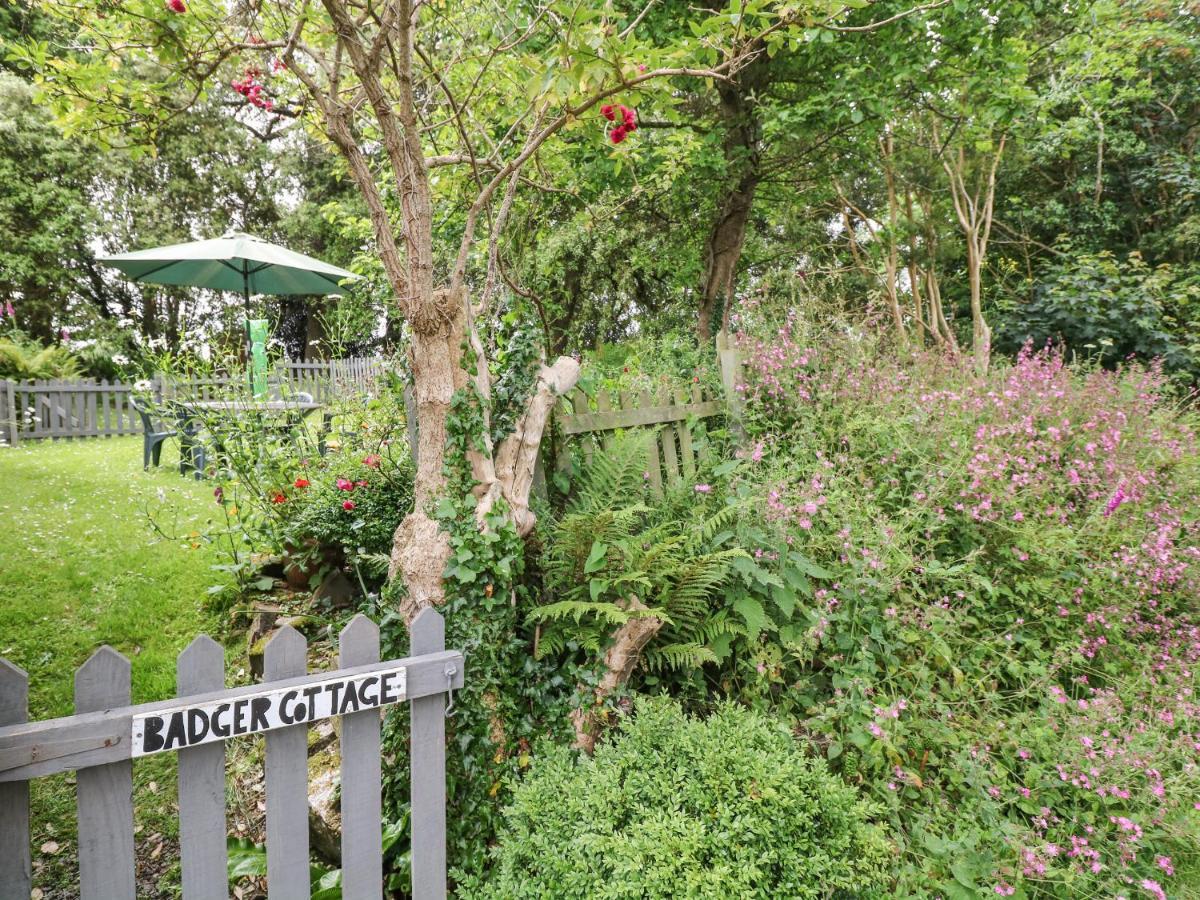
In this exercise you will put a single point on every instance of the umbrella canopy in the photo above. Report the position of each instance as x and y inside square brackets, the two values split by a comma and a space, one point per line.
[235, 262]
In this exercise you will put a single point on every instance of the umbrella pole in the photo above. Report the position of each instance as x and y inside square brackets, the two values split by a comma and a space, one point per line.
[246, 326]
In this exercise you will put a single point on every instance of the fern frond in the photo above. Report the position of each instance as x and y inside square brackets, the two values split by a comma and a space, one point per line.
[716, 523]
[667, 657]
[614, 476]
[608, 613]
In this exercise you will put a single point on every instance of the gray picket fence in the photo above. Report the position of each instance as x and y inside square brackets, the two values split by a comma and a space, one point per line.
[83, 407]
[106, 734]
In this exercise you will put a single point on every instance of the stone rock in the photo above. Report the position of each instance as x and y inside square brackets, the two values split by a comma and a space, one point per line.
[268, 566]
[336, 589]
[325, 802]
[261, 627]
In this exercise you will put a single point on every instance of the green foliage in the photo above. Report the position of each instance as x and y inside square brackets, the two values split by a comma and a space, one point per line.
[517, 360]
[1111, 309]
[275, 493]
[510, 699]
[603, 556]
[22, 359]
[1000, 582]
[45, 211]
[664, 363]
[675, 806]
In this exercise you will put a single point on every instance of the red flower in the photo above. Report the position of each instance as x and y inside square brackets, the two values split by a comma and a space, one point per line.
[371, 461]
[300, 483]
[345, 484]
[361, 483]
[279, 498]
[176, 6]
[347, 505]
[607, 111]
[617, 134]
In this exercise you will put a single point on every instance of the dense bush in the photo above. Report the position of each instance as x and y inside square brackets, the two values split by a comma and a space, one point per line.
[22, 359]
[1104, 307]
[988, 613]
[726, 806]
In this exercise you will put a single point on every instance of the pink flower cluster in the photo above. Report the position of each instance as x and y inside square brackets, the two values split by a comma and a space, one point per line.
[251, 88]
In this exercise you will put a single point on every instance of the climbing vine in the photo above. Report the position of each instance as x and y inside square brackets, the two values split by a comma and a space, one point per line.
[510, 699]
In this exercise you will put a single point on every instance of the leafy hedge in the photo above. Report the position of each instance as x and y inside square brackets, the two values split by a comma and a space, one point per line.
[679, 807]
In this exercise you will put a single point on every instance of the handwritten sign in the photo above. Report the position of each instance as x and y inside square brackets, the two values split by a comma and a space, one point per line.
[192, 725]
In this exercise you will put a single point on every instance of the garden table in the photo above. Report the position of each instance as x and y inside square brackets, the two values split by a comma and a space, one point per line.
[191, 457]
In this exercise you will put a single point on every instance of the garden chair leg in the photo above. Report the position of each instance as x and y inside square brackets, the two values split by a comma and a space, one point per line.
[146, 454]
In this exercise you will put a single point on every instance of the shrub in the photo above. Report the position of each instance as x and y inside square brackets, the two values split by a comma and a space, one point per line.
[990, 616]
[1110, 308]
[675, 806]
[22, 359]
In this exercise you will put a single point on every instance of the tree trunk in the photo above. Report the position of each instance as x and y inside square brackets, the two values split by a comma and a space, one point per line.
[722, 252]
[420, 548]
[620, 660]
[723, 246]
[981, 332]
[891, 261]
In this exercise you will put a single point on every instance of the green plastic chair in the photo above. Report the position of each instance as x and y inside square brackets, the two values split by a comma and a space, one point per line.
[153, 435]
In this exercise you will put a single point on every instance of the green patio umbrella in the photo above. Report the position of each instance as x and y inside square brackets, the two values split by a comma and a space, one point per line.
[235, 262]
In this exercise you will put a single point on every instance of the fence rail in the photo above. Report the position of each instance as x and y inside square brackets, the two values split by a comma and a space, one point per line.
[106, 734]
[79, 407]
[665, 418]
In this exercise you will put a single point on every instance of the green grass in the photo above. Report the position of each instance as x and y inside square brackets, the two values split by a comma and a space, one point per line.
[80, 566]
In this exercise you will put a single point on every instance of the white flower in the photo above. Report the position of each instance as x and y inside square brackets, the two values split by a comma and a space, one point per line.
[142, 385]
[120, 359]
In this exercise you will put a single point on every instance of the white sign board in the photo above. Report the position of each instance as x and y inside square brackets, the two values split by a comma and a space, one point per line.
[190, 725]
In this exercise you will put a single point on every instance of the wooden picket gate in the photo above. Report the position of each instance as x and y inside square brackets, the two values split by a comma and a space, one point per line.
[664, 418]
[106, 733]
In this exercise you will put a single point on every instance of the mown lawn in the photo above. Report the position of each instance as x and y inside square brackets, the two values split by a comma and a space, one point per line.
[80, 566]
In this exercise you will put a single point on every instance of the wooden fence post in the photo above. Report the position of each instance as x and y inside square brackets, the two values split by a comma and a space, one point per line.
[105, 793]
[287, 778]
[16, 875]
[427, 634]
[12, 424]
[730, 359]
[201, 669]
[362, 804]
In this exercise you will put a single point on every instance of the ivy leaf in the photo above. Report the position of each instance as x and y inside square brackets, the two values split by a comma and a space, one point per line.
[596, 587]
[596, 558]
